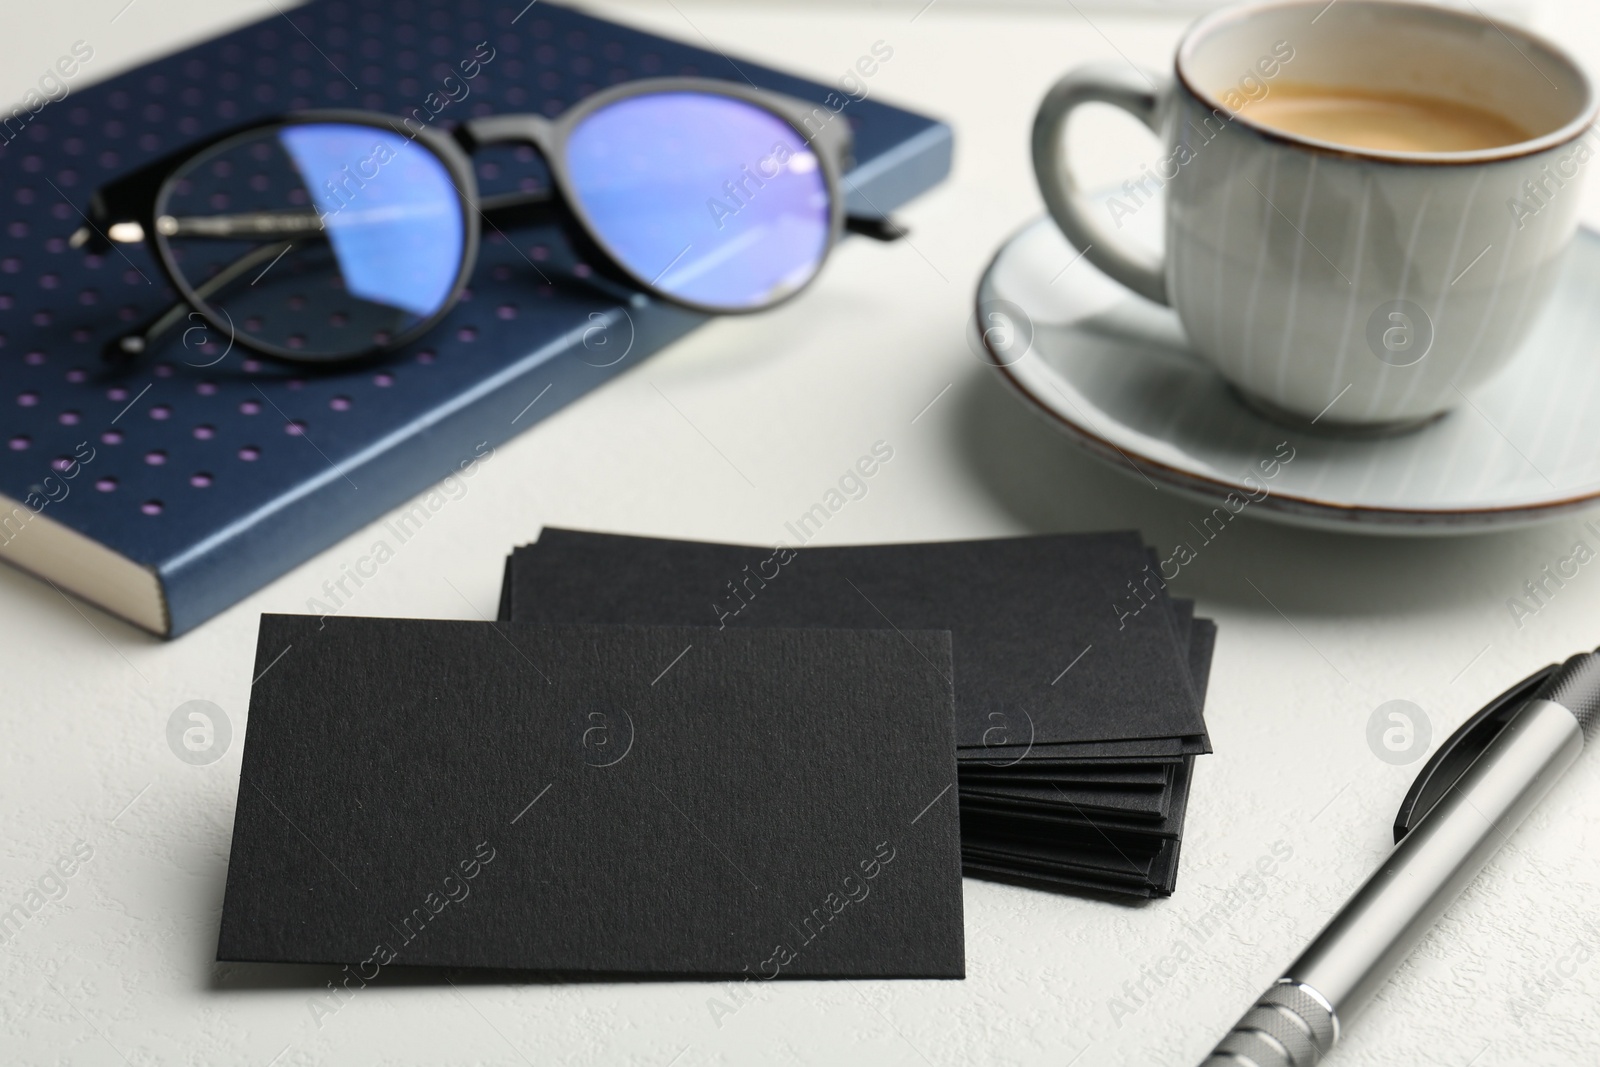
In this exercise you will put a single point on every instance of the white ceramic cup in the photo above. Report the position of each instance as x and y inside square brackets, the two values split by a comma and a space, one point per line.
[1356, 287]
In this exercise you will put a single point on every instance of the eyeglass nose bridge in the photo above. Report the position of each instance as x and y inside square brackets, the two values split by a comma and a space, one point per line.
[535, 130]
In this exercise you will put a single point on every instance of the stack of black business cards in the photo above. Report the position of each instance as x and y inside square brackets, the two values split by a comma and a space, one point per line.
[617, 800]
[1079, 683]
[674, 759]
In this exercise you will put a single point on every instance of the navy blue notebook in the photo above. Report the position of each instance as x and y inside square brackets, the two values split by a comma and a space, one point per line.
[168, 491]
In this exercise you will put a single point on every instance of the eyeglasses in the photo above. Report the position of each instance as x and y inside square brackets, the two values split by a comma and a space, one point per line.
[326, 236]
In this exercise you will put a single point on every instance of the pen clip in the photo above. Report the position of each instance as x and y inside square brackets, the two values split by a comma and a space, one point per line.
[1460, 749]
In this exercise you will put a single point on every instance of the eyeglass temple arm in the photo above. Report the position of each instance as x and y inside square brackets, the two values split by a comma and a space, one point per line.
[834, 137]
[505, 211]
[301, 225]
[136, 341]
[513, 209]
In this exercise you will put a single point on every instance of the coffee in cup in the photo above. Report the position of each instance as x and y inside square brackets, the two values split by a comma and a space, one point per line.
[1392, 122]
[1366, 202]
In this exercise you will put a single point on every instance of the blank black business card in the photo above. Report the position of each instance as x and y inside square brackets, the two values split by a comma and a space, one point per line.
[1150, 804]
[1055, 641]
[1068, 876]
[1111, 775]
[1169, 749]
[1170, 823]
[603, 801]
[1029, 823]
[1199, 643]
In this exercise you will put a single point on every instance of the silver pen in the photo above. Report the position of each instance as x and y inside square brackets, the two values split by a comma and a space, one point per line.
[1472, 794]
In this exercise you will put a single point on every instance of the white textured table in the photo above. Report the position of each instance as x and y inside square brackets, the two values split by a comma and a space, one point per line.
[119, 969]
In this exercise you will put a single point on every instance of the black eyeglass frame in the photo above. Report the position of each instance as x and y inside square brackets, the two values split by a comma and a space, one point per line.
[141, 196]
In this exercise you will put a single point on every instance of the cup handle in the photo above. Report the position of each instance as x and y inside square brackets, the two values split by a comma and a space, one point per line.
[1120, 86]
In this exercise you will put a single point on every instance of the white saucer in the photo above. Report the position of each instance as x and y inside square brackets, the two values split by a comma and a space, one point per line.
[1113, 371]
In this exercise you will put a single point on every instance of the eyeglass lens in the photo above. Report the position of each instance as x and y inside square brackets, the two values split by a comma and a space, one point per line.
[710, 198]
[321, 239]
